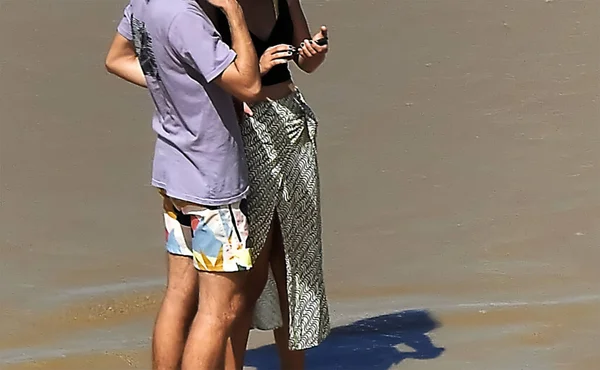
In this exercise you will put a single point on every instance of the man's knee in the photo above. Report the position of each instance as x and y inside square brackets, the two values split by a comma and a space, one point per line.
[224, 319]
[232, 313]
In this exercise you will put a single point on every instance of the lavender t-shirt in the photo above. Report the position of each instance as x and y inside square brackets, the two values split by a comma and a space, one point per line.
[199, 155]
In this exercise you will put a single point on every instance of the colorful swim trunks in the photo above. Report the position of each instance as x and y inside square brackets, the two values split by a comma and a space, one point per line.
[215, 237]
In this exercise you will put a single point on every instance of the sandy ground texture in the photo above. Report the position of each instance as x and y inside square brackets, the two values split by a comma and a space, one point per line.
[459, 150]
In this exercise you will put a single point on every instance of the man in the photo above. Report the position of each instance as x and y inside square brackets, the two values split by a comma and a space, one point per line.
[172, 48]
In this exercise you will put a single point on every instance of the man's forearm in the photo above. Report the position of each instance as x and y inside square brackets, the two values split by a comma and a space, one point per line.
[241, 42]
[128, 69]
[134, 74]
[122, 61]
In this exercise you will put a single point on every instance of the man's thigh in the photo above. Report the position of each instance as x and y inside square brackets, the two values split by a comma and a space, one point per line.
[222, 294]
[182, 278]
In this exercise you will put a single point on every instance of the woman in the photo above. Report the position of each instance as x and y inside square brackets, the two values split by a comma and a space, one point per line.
[284, 205]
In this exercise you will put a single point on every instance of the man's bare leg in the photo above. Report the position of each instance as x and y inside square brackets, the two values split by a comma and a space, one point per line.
[221, 304]
[176, 314]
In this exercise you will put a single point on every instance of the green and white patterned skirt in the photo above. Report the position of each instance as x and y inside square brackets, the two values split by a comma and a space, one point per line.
[281, 149]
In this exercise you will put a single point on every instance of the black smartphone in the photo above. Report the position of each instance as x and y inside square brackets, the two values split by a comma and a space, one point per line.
[320, 42]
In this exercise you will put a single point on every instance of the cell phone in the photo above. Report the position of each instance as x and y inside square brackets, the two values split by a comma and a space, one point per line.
[320, 42]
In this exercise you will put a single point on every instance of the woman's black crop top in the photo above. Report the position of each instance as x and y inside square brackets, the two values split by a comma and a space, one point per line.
[282, 33]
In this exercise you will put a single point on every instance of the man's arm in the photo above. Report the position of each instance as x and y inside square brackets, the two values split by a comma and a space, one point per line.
[194, 38]
[123, 62]
[242, 78]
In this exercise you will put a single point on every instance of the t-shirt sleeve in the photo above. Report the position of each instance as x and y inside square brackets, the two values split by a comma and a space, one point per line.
[124, 27]
[195, 40]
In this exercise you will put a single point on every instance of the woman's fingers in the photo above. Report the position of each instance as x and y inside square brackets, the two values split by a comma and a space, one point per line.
[281, 49]
[275, 55]
[284, 54]
[306, 50]
[310, 47]
[324, 32]
[320, 49]
[248, 110]
[303, 52]
[280, 54]
[280, 61]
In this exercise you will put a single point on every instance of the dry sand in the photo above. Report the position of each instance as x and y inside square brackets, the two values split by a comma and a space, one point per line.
[459, 147]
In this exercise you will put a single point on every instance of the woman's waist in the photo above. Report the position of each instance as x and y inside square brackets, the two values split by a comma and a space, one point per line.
[284, 101]
[279, 90]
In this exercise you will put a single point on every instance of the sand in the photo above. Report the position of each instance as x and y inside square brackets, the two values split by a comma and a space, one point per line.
[459, 154]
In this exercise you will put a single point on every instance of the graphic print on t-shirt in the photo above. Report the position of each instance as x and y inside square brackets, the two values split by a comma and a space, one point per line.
[143, 48]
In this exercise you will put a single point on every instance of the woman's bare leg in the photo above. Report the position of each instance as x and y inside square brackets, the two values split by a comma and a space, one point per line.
[236, 348]
[290, 360]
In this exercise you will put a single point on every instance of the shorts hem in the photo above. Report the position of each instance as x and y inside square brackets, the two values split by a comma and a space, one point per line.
[180, 254]
[201, 201]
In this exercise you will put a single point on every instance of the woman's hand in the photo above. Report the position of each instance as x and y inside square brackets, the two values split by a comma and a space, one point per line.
[312, 54]
[309, 48]
[275, 55]
[248, 110]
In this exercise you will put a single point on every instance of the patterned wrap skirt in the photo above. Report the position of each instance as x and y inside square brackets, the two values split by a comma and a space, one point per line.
[280, 140]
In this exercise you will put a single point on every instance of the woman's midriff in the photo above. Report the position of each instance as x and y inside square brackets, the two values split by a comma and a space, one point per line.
[280, 90]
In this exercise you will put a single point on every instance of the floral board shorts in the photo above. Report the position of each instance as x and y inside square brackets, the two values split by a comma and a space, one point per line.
[213, 236]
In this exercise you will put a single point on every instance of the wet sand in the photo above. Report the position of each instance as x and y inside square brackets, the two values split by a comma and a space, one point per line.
[459, 143]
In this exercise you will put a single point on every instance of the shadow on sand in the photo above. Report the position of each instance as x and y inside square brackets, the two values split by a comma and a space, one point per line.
[366, 344]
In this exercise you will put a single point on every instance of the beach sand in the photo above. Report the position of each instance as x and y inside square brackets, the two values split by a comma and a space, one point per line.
[459, 150]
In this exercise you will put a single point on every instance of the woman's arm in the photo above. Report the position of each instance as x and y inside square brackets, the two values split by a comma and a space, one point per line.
[311, 55]
[123, 62]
